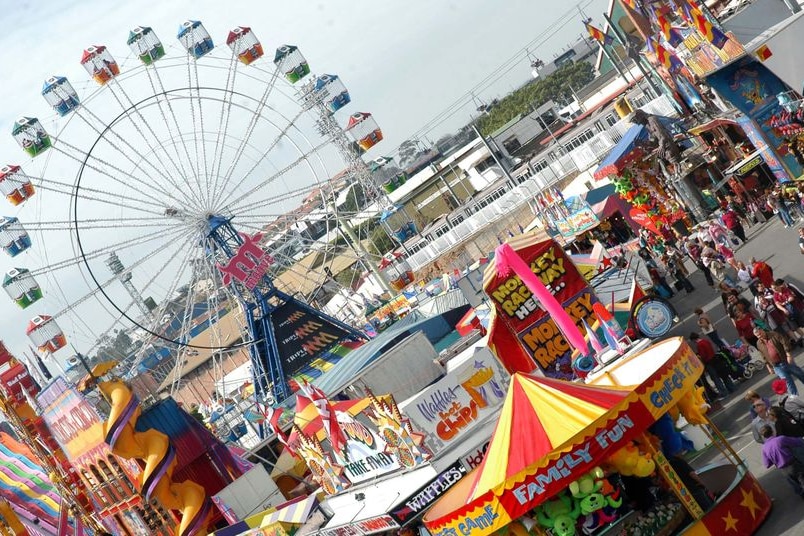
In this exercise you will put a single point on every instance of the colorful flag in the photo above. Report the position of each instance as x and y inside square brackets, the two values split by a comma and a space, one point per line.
[666, 58]
[336, 436]
[764, 53]
[273, 415]
[599, 35]
[698, 20]
[593, 340]
[671, 35]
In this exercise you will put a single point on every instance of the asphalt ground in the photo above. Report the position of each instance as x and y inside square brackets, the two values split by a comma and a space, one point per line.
[779, 248]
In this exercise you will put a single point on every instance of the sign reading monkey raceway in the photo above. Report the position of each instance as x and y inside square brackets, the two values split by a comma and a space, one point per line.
[523, 335]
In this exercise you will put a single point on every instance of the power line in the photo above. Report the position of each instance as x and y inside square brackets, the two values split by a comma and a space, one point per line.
[566, 18]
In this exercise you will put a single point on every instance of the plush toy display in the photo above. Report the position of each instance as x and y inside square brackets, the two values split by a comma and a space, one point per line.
[629, 461]
[559, 514]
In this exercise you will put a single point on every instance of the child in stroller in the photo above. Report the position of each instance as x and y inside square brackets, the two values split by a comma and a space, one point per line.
[746, 357]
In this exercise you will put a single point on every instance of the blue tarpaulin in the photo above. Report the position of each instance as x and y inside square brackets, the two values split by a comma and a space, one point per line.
[629, 142]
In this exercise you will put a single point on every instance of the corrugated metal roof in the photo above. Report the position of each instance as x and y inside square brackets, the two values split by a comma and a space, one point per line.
[446, 301]
[358, 359]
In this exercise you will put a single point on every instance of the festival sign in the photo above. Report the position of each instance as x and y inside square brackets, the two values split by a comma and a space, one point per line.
[365, 457]
[518, 312]
[302, 336]
[72, 420]
[450, 409]
[422, 498]
[753, 89]
[249, 264]
[578, 217]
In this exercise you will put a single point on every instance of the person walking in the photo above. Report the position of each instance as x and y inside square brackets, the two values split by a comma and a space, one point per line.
[801, 237]
[732, 222]
[693, 250]
[761, 271]
[762, 420]
[717, 374]
[775, 349]
[785, 453]
[777, 203]
[708, 328]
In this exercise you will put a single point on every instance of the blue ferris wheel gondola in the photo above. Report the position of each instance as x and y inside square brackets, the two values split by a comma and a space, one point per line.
[195, 39]
[60, 95]
[14, 239]
[332, 91]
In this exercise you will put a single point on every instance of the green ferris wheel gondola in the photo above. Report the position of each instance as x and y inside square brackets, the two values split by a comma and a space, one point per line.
[144, 43]
[21, 287]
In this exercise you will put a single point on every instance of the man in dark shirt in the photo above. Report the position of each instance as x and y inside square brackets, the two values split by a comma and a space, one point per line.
[706, 351]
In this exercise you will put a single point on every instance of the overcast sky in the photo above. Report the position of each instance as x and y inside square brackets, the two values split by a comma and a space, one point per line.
[405, 62]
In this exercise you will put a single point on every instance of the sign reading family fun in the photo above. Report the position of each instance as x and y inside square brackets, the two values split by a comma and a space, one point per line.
[448, 410]
[522, 315]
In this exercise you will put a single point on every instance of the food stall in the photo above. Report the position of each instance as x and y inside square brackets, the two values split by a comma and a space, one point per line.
[563, 479]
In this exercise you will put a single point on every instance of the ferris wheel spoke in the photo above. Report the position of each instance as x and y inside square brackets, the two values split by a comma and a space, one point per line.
[251, 126]
[102, 223]
[156, 318]
[223, 122]
[140, 157]
[68, 190]
[165, 101]
[85, 162]
[262, 184]
[205, 177]
[263, 156]
[105, 284]
[148, 126]
[119, 246]
[199, 176]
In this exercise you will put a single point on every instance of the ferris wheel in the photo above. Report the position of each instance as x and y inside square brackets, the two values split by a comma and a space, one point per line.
[145, 180]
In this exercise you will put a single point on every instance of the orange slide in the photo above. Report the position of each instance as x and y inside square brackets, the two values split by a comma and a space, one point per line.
[154, 449]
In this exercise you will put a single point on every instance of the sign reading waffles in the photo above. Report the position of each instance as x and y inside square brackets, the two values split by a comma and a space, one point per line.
[529, 324]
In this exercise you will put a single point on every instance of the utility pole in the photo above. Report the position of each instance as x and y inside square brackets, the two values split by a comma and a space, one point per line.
[505, 171]
[632, 53]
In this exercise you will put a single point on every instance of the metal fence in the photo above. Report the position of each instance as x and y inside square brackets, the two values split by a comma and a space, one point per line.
[580, 159]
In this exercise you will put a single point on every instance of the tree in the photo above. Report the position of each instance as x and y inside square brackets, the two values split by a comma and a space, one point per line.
[558, 87]
[408, 152]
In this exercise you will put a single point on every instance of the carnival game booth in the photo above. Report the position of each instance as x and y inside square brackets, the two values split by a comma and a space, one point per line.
[543, 472]
[637, 179]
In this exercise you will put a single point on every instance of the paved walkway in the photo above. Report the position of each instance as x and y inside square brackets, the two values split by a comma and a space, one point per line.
[779, 248]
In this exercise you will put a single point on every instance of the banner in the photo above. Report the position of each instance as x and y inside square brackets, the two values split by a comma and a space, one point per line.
[72, 420]
[579, 217]
[518, 312]
[449, 410]
[753, 89]
[302, 336]
[423, 497]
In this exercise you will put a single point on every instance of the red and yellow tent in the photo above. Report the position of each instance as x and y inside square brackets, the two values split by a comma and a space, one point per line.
[549, 433]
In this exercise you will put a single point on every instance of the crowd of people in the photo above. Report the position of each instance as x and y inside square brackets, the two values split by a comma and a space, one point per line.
[767, 313]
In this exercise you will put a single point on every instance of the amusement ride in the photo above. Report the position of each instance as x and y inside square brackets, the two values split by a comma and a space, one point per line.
[184, 183]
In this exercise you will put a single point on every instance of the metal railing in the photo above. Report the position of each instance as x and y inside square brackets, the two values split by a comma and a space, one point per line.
[580, 159]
